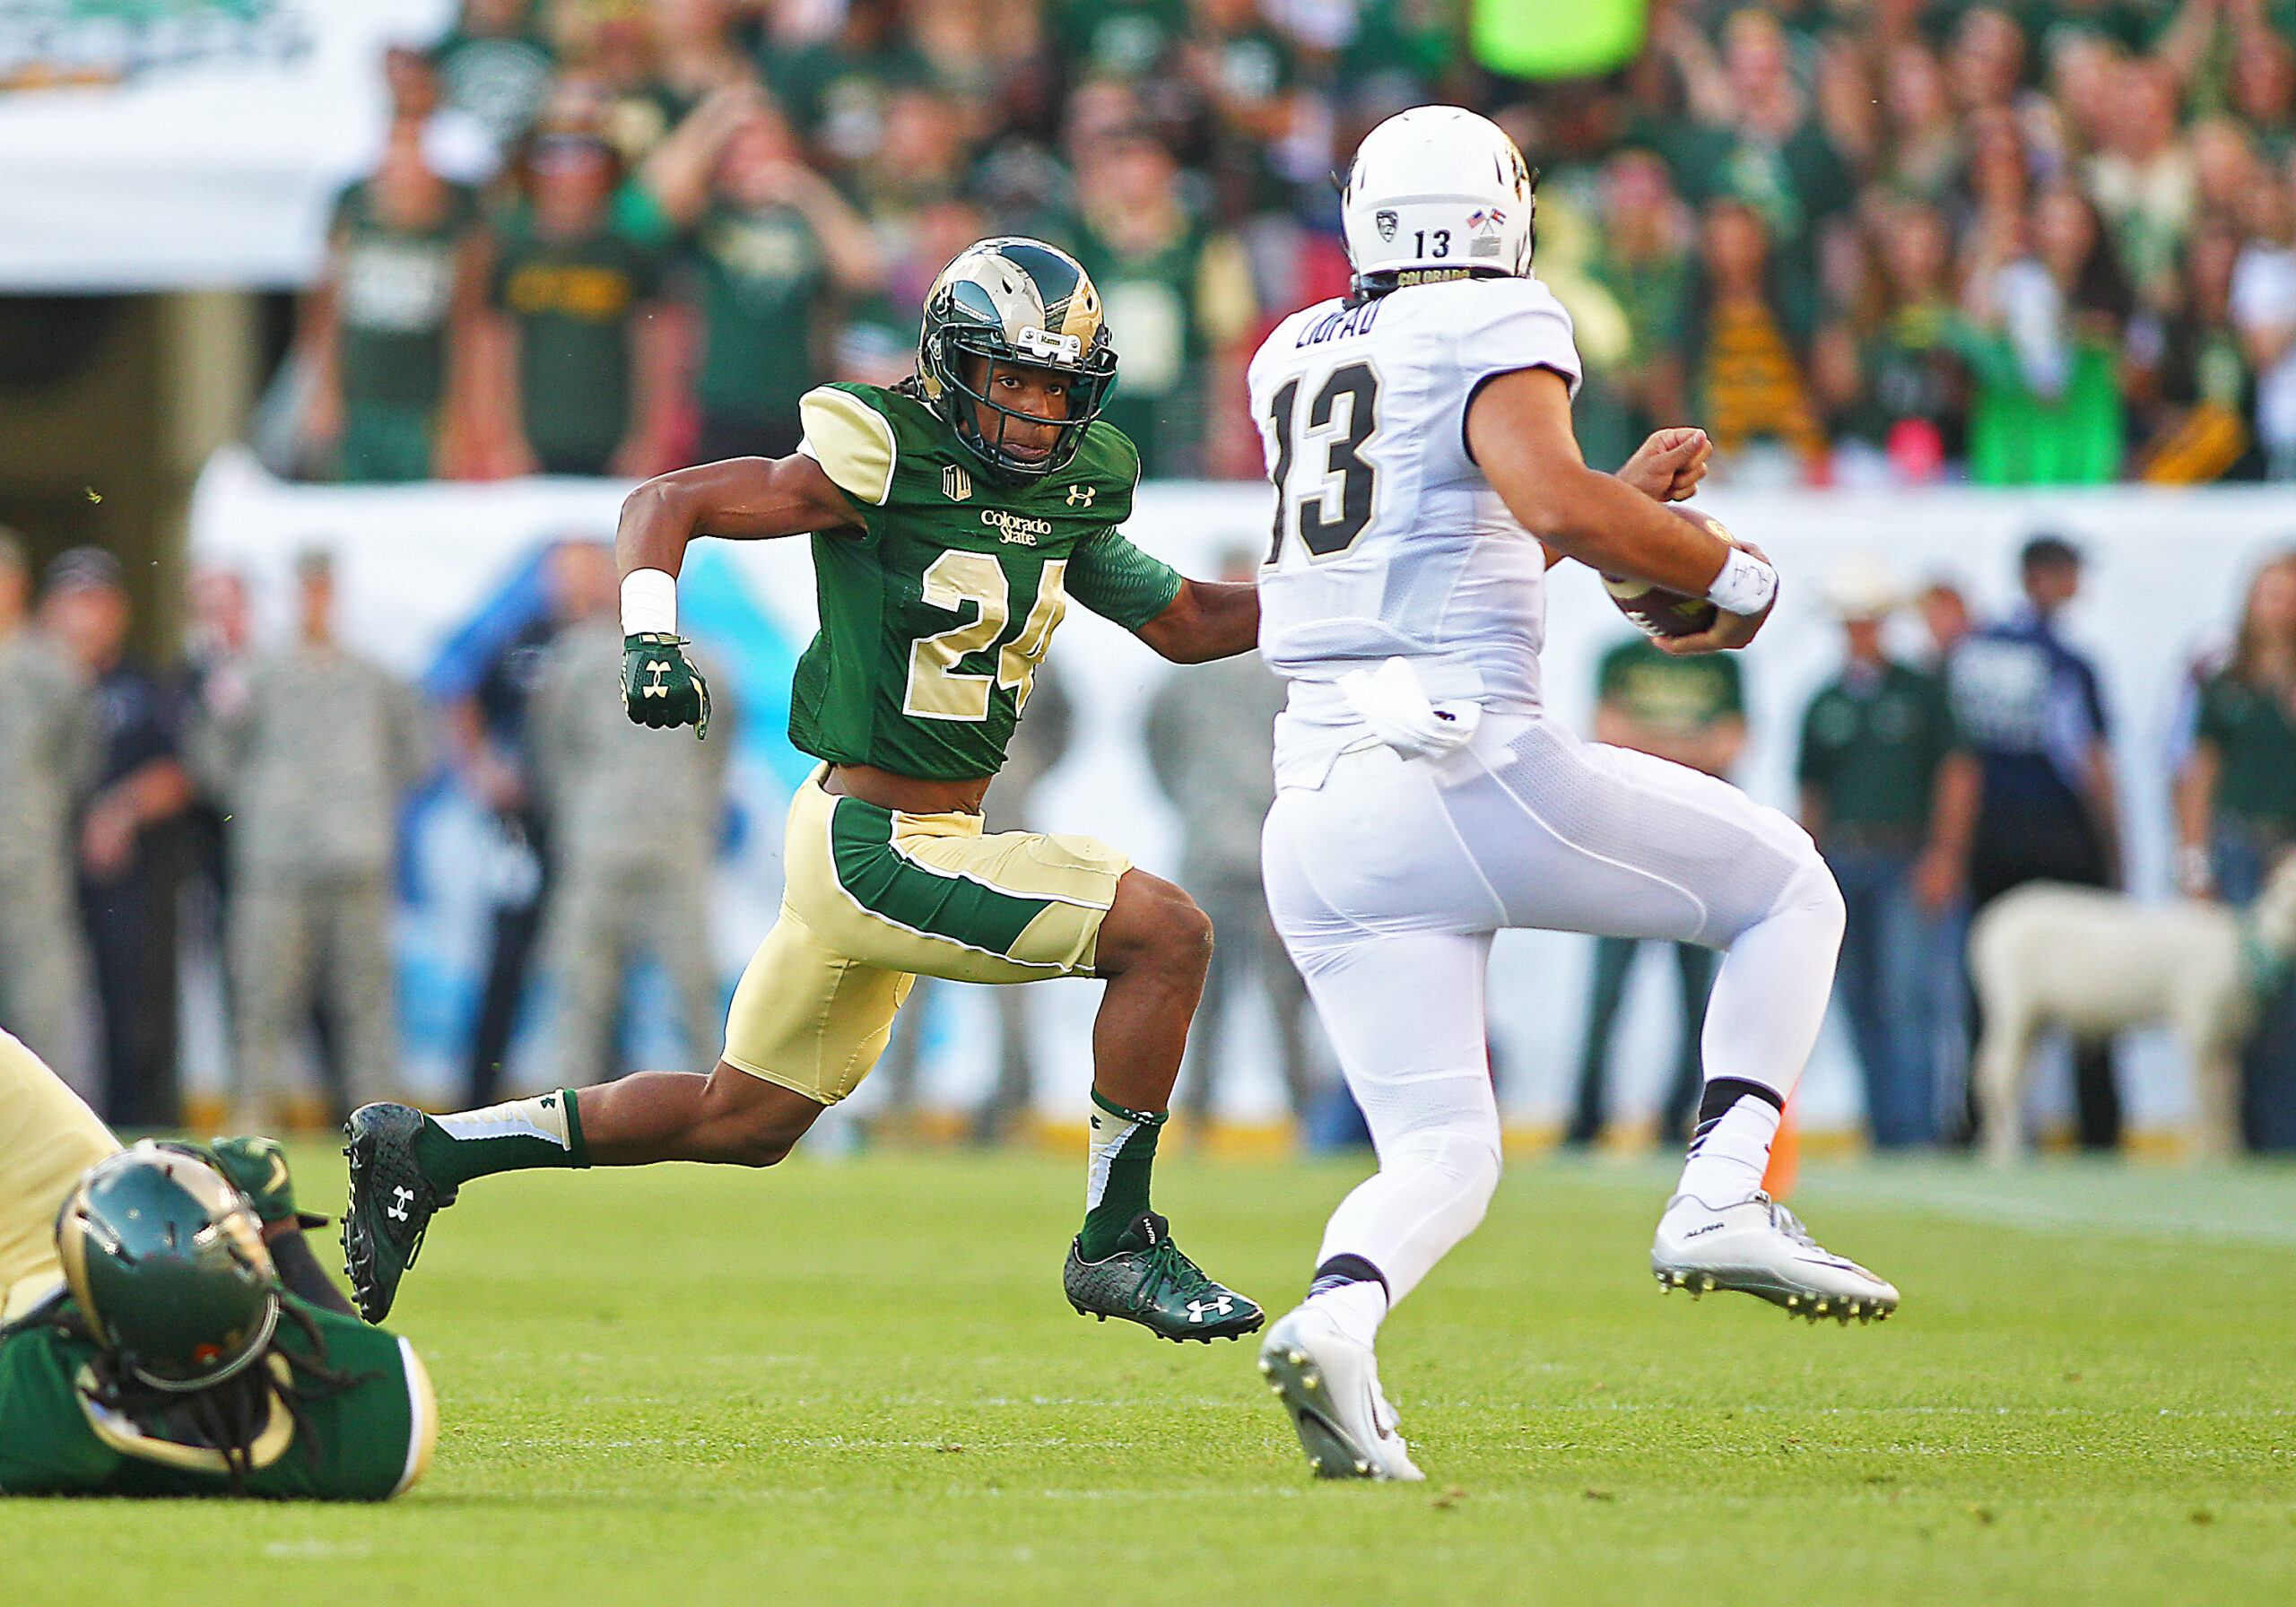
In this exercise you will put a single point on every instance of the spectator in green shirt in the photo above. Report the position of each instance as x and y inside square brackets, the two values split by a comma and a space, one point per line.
[495, 64]
[1888, 792]
[1754, 135]
[1640, 255]
[2053, 306]
[2236, 816]
[771, 248]
[1693, 712]
[582, 374]
[2235, 793]
[387, 329]
[1178, 295]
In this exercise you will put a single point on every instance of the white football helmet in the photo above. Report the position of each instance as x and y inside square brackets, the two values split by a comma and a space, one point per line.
[1437, 188]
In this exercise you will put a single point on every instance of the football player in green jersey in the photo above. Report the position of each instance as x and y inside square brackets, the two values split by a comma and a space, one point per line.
[952, 517]
[171, 1332]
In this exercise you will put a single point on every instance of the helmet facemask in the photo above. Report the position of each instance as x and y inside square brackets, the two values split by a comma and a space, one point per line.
[166, 1261]
[987, 426]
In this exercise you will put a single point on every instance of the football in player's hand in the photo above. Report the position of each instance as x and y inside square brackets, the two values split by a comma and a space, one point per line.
[1657, 612]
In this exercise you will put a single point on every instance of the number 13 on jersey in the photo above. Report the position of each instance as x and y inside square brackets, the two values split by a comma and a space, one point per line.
[1333, 504]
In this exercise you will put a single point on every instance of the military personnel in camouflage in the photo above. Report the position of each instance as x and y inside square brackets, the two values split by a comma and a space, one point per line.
[48, 754]
[952, 518]
[314, 763]
[1211, 741]
[620, 894]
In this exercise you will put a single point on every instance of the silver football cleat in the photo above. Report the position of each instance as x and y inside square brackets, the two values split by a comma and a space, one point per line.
[1330, 1384]
[1758, 1248]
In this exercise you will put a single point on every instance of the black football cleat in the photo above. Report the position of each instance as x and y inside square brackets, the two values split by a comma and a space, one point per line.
[1146, 1280]
[391, 1203]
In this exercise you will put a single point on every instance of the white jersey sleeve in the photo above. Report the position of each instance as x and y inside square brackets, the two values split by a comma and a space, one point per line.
[1515, 324]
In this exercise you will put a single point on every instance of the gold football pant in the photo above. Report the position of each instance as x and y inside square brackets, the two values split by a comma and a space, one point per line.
[874, 897]
[47, 1138]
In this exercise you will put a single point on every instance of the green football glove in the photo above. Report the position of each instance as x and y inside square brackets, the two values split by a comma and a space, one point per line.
[660, 686]
[257, 1167]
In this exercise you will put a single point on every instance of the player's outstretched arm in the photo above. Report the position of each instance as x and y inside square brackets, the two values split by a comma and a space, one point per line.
[1518, 429]
[1209, 619]
[741, 498]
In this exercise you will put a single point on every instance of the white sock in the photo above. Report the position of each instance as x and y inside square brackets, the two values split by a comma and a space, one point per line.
[1728, 1158]
[1356, 1309]
[542, 1116]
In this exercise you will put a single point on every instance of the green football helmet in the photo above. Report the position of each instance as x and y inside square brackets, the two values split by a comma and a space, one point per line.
[166, 1261]
[1023, 303]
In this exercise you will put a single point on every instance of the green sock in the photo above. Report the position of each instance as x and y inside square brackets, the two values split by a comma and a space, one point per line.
[1120, 1155]
[524, 1134]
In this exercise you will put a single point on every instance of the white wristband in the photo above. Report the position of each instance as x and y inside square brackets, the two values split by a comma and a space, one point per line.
[650, 604]
[1746, 585]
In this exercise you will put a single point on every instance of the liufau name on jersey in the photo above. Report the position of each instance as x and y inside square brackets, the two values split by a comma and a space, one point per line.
[1417, 435]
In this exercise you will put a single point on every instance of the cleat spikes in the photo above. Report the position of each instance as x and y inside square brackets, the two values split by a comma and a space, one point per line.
[1328, 1385]
[1755, 1245]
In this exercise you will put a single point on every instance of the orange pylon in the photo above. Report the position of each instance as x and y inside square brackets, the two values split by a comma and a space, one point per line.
[1785, 1156]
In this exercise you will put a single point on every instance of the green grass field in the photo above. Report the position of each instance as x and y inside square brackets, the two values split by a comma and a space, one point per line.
[856, 1381]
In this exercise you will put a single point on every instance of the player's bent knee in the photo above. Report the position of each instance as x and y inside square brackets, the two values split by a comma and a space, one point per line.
[750, 1122]
[1814, 889]
[1477, 1163]
[1155, 924]
[1188, 934]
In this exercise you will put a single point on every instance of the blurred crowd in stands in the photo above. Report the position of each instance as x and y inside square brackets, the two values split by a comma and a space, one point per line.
[2039, 242]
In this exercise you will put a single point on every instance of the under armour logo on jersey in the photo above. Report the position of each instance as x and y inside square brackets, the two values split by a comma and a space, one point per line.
[1081, 496]
[1197, 1310]
[659, 668]
[955, 483]
[401, 1197]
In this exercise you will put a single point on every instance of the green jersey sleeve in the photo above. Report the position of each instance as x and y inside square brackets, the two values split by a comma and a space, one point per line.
[365, 1441]
[1119, 582]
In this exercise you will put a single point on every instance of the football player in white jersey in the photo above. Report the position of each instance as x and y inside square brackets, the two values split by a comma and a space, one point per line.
[1419, 436]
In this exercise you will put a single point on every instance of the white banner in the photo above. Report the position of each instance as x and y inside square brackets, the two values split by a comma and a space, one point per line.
[417, 564]
[186, 143]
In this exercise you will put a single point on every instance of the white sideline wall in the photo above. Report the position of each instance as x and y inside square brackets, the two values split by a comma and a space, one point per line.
[2166, 570]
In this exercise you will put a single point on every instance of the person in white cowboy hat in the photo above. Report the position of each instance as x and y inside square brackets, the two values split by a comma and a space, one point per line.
[1889, 791]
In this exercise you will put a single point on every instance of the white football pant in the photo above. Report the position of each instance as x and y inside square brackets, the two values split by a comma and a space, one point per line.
[1389, 882]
